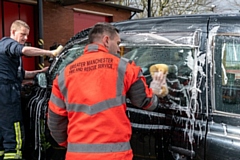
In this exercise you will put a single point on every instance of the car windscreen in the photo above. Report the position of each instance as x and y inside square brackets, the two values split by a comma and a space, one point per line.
[67, 56]
[180, 61]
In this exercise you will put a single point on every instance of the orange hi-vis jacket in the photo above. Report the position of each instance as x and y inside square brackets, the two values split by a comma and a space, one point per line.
[87, 107]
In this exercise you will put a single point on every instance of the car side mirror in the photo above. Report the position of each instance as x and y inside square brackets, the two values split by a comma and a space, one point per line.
[41, 80]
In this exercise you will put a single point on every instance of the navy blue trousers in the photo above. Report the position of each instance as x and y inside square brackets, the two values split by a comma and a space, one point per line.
[11, 125]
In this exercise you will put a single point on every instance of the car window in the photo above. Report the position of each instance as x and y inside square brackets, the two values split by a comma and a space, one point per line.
[228, 73]
[180, 61]
[67, 56]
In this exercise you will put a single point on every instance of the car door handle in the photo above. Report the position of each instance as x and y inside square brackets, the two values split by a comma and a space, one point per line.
[181, 151]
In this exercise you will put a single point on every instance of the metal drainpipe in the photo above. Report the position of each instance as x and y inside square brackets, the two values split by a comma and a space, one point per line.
[149, 8]
[132, 15]
[40, 30]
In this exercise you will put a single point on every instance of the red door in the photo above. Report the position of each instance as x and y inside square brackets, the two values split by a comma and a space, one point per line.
[1, 21]
[86, 20]
[25, 12]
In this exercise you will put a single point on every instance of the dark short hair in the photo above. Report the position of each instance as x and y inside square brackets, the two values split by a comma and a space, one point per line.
[101, 28]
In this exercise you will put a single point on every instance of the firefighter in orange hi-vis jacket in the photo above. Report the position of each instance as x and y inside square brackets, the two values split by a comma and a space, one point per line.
[87, 107]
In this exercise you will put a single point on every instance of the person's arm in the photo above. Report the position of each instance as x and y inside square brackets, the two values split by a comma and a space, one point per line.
[31, 74]
[139, 92]
[57, 115]
[141, 96]
[33, 51]
[13, 48]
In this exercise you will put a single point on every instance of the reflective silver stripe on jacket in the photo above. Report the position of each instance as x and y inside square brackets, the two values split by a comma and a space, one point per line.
[96, 108]
[57, 101]
[99, 148]
[92, 47]
[62, 87]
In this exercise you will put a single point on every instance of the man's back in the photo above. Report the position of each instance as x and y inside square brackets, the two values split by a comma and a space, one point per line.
[88, 100]
[95, 94]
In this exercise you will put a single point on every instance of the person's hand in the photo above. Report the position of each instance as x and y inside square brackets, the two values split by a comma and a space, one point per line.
[158, 84]
[44, 69]
[57, 51]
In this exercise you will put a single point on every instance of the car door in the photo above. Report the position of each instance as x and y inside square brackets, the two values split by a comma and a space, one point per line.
[177, 129]
[223, 139]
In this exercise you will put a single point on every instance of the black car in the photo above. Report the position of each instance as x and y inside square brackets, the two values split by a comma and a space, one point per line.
[199, 118]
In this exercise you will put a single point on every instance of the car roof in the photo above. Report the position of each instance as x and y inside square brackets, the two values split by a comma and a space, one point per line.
[183, 23]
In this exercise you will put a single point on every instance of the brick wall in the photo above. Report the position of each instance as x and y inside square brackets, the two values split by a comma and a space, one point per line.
[118, 14]
[58, 23]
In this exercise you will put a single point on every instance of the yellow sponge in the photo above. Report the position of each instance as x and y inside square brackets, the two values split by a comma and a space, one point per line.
[164, 69]
[58, 51]
[158, 68]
